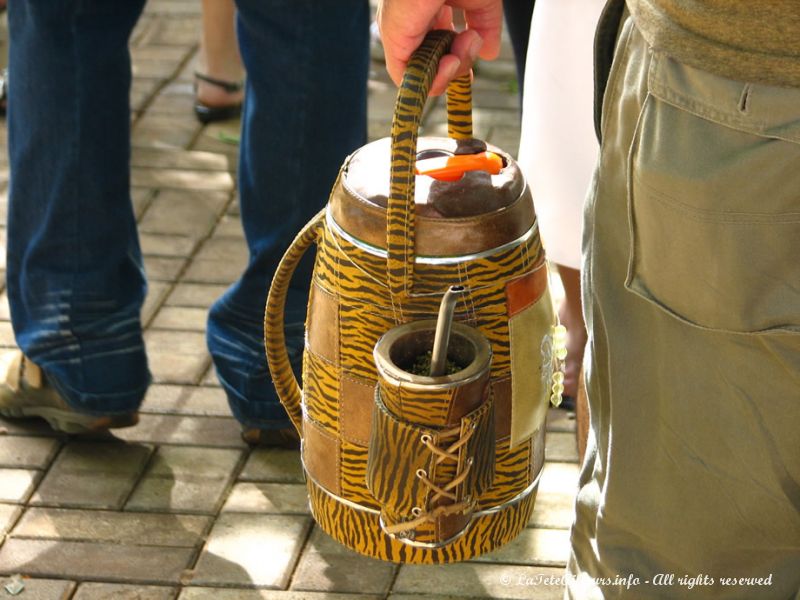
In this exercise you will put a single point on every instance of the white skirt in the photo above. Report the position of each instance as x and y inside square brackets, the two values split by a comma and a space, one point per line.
[558, 147]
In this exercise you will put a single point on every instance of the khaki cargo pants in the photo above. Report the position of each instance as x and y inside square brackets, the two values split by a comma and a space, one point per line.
[692, 293]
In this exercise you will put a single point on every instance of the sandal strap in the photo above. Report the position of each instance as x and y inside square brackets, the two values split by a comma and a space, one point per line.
[228, 86]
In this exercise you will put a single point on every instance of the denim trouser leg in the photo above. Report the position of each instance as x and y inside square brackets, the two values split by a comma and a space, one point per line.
[75, 278]
[305, 110]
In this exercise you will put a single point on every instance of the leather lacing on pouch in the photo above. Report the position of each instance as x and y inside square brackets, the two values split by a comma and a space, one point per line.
[440, 492]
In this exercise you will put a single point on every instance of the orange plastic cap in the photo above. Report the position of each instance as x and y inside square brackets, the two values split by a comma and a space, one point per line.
[452, 168]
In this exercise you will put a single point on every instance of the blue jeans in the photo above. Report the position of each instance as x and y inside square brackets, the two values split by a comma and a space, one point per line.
[75, 277]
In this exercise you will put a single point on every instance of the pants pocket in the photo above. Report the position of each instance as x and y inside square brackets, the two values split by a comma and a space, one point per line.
[714, 204]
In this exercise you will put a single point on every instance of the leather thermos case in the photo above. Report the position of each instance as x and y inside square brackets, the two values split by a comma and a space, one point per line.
[434, 469]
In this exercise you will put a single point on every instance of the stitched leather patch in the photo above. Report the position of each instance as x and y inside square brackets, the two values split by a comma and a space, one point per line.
[321, 455]
[501, 395]
[323, 325]
[356, 403]
[526, 290]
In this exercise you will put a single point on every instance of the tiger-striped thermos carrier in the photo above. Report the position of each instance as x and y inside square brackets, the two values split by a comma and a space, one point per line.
[412, 468]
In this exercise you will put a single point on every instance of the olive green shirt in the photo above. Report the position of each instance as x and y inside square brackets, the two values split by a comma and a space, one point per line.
[747, 40]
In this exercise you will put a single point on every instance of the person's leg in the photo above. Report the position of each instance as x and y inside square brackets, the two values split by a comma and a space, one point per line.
[518, 14]
[571, 316]
[219, 58]
[75, 277]
[305, 110]
[691, 301]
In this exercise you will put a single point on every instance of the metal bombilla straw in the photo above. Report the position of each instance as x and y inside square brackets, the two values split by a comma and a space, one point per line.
[444, 323]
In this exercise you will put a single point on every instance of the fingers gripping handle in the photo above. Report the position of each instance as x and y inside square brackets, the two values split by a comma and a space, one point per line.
[405, 126]
[283, 378]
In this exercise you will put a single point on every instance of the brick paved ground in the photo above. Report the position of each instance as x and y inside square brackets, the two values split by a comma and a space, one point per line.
[179, 507]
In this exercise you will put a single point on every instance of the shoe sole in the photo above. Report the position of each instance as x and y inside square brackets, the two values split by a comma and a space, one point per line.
[68, 421]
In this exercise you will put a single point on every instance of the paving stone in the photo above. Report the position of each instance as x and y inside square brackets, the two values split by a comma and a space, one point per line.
[159, 52]
[201, 495]
[141, 91]
[222, 138]
[560, 420]
[229, 249]
[4, 198]
[229, 226]
[426, 597]
[153, 67]
[326, 565]
[85, 560]
[16, 485]
[215, 462]
[176, 342]
[559, 477]
[166, 245]
[211, 271]
[183, 212]
[160, 268]
[181, 318]
[40, 589]
[172, 158]
[109, 526]
[141, 199]
[5, 312]
[160, 131]
[474, 580]
[30, 452]
[159, 395]
[269, 498]
[111, 591]
[7, 338]
[200, 593]
[238, 546]
[8, 516]
[210, 378]
[142, 28]
[156, 292]
[172, 8]
[177, 32]
[167, 429]
[198, 295]
[175, 483]
[553, 509]
[92, 474]
[536, 547]
[274, 465]
[561, 447]
[186, 400]
[178, 369]
[176, 99]
[182, 179]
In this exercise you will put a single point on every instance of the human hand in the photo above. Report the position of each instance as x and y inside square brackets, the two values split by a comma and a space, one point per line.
[404, 23]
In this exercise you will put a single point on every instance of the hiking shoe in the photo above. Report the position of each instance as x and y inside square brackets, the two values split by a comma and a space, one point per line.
[272, 438]
[26, 392]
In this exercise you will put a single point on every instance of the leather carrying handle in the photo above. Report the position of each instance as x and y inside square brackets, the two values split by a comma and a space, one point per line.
[289, 391]
[411, 98]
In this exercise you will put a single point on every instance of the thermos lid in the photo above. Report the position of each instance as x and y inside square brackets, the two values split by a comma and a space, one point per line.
[478, 191]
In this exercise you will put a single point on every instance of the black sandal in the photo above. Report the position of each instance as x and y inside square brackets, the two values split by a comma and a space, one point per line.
[209, 114]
